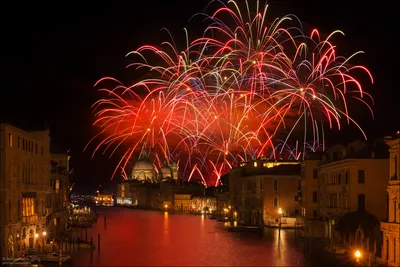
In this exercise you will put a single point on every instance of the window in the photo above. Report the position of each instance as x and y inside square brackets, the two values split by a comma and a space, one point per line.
[315, 173]
[361, 202]
[296, 198]
[339, 178]
[10, 141]
[36, 148]
[361, 176]
[347, 177]
[314, 213]
[261, 184]
[255, 163]
[42, 150]
[314, 197]
[19, 142]
[275, 184]
[275, 203]
[23, 144]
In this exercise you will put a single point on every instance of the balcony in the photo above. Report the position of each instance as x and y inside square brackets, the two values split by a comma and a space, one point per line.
[33, 219]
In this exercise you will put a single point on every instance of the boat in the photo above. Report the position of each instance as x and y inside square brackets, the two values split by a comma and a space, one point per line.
[242, 228]
[87, 245]
[54, 257]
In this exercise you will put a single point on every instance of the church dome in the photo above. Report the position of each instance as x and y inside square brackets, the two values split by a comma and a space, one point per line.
[166, 171]
[143, 170]
[143, 164]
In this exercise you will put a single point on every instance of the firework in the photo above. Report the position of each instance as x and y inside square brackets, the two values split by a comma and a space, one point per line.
[245, 89]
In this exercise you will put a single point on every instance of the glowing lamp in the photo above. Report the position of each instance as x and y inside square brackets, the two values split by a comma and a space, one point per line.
[357, 254]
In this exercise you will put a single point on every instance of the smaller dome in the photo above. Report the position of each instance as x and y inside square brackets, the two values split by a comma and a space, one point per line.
[166, 171]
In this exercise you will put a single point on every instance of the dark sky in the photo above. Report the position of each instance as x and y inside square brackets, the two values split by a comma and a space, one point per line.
[55, 54]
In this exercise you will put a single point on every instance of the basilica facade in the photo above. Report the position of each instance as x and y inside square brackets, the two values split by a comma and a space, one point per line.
[144, 170]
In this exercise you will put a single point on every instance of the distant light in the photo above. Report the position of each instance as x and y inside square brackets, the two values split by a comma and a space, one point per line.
[254, 62]
[225, 78]
[215, 117]
[358, 254]
[148, 129]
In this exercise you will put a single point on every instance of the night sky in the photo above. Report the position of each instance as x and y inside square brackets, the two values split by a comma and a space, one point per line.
[54, 54]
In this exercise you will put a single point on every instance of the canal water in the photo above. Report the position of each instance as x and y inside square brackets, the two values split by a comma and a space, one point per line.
[149, 238]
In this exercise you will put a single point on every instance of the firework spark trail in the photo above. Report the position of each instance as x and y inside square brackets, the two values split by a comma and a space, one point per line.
[230, 95]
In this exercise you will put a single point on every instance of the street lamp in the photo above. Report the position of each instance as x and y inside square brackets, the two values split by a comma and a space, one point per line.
[358, 256]
[44, 233]
[333, 234]
[280, 219]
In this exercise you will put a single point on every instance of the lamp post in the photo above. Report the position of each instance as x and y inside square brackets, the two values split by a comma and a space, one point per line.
[333, 235]
[44, 233]
[280, 220]
[358, 257]
[36, 238]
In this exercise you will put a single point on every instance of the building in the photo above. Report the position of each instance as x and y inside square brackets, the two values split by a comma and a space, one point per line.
[104, 199]
[309, 219]
[351, 178]
[223, 198]
[182, 202]
[147, 187]
[203, 204]
[258, 188]
[58, 199]
[24, 188]
[391, 227]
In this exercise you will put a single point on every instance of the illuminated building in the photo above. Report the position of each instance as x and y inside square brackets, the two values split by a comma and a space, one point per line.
[104, 199]
[351, 179]
[146, 188]
[24, 188]
[182, 202]
[203, 204]
[59, 183]
[391, 227]
[258, 188]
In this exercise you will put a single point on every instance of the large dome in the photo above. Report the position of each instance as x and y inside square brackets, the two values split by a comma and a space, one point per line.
[143, 164]
[143, 170]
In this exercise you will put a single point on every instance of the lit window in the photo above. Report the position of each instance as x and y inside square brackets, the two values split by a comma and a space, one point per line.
[10, 141]
[255, 163]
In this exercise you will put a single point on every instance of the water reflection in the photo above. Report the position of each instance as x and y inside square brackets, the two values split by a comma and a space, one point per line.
[135, 237]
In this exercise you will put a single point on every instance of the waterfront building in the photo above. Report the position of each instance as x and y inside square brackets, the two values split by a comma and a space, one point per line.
[391, 226]
[351, 178]
[58, 199]
[223, 199]
[104, 199]
[182, 202]
[258, 189]
[203, 204]
[148, 188]
[24, 188]
[309, 219]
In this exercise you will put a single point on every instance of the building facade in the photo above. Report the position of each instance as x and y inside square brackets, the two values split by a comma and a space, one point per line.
[391, 227]
[182, 202]
[24, 188]
[258, 188]
[58, 199]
